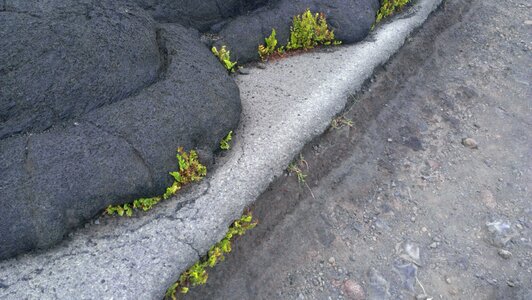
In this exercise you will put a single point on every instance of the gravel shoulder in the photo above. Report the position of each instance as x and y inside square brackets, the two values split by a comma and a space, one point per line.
[401, 206]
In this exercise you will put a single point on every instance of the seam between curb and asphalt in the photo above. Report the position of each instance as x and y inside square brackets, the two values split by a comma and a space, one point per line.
[284, 106]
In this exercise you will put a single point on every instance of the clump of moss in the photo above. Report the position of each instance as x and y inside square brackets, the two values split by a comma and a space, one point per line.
[189, 170]
[389, 7]
[197, 273]
[308, 30]
[224, 56]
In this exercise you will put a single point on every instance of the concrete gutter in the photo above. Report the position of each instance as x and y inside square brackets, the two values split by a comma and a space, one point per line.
[284, 107]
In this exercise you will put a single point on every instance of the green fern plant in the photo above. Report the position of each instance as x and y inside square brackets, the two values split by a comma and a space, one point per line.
[310, 30]
[224, 56]
[189, 170]
[225, 143]
[389, 7]
[197, 273]
[271, 44]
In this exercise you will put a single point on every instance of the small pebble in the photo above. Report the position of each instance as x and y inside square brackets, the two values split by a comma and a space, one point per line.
[261, 65]
[434, 245]
[470, 143]
[97, 222]
[243, 71]
[315, 281]
[421, 297]
[413, 219]
[332, 261]
[354, 290]
[448, 280]
[505, 253]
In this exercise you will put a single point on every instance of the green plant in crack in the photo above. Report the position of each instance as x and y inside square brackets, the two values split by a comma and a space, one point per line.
[197, 273]
[340, 122]
[308, 30]
[295, 167]
[389, 7]
[225, 143]
[224, 56]
[189, 170]
[271, 45]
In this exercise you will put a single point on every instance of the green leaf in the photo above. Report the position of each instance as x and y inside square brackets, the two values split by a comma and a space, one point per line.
[225, 142]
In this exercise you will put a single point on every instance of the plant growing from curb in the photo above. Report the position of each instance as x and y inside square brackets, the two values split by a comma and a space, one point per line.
[271, 44]
[308, 30]
[295, 168]
[389, 7]
[340, 122]
[190, 170]
[197, 273]
[224, 56]
[225, 143]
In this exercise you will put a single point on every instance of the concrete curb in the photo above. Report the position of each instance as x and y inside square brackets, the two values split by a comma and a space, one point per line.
[284, 107]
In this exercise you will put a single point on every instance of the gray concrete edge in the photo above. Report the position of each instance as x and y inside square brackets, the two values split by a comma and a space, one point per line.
[284, 107]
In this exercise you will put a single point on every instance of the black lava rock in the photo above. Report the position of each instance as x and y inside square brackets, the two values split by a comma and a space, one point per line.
[350, 19]
[95, 112]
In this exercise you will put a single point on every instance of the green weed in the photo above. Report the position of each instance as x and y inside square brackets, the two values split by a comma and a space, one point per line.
[389, 7]
[225, 143]
[189, 170]
[295, 167]
[197, 273]
[308, 30]
[340, 122]
[271, 44]
[224, 56]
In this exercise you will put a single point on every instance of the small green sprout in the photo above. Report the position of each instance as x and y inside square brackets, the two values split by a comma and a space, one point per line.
[340, 122]
[295, 168]
[271, 44]
[389, 7]
[225, 143]
[224, 56]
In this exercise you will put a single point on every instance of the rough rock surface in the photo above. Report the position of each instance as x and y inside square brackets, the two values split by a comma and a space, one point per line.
[61, 60]
[198, 14]
[96, 96]
[92, 114]
[350, 19]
